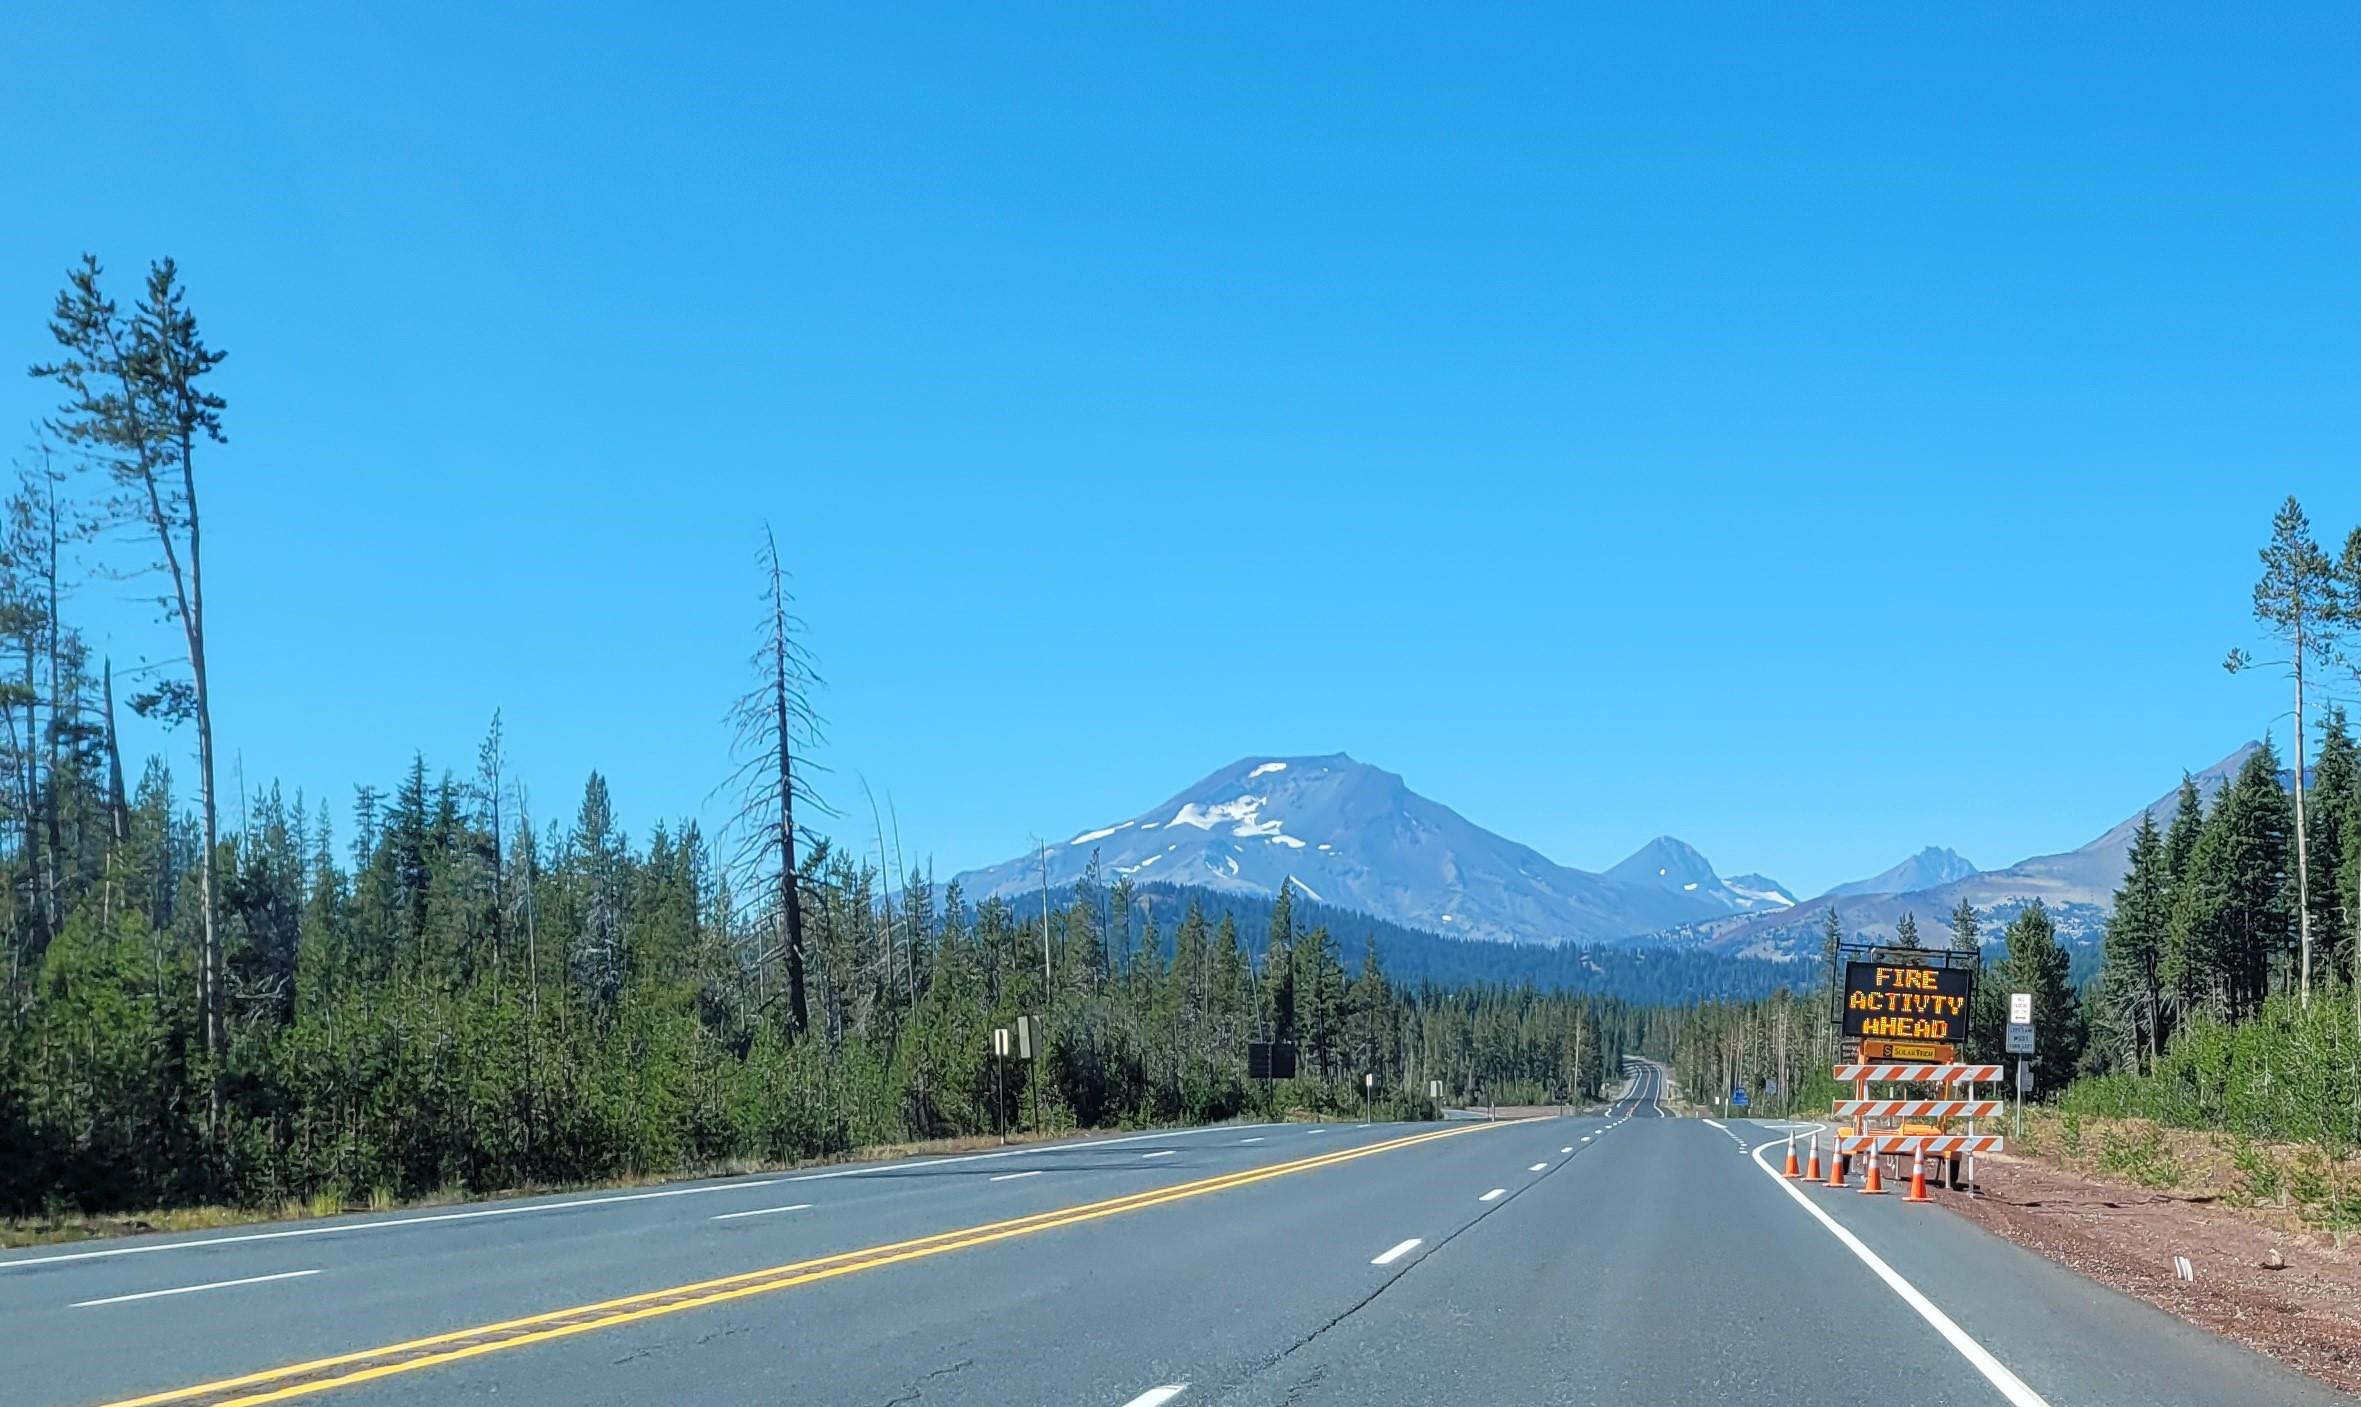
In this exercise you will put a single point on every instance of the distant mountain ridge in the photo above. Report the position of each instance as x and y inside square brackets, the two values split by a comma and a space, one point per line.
[1924, 870]
[1342, 832]
[1349, 835]
[1674, 866]
[2077, 886]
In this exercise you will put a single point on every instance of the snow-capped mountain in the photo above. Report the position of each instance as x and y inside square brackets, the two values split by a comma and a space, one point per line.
[1674, 865]
[1761, 891]
[1345, 833]
[1924, 870]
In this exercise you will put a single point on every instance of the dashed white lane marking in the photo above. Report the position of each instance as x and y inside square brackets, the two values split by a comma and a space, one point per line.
[1538, 1167]
[1159, 1153]
[1995, 1372]
[192, 1289]
[1011, 1177]
[1494, 1193]
[764, 1211]
[575, 1202]
[478, 1214]
[1585, 1139]
[1256, 1139]
[1398, 1252]
[1158, 1396]
[1568, 1149]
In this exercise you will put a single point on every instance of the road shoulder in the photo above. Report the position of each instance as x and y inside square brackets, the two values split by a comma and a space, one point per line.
[2306, 1313]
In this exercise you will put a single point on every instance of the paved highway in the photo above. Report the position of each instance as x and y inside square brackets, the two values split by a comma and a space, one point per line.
[1629, 1257]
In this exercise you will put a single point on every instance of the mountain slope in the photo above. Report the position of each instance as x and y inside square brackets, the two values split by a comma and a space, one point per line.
[1924, 870]
[1674, 867]
[1345, 833]
[2078, 887]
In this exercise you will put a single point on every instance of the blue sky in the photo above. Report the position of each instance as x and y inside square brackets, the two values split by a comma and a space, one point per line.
[1815, 436]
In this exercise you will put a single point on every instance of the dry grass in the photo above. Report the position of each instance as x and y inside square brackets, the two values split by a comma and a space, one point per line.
[2288, 1187]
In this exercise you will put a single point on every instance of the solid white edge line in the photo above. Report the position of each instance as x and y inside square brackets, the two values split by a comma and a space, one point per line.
[1712, 1125]
[1980, 1358]
[763, 1211]
[481, 1212]
[192, 1289]
[1495, 1192]
[1399, 1251]
[1158, 1396]
[1011, 1177]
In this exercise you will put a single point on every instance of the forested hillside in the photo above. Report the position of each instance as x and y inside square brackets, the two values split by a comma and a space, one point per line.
[1642, 974]
[430, 985]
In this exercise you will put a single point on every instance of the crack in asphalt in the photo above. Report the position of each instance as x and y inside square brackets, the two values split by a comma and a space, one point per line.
[917, 1388]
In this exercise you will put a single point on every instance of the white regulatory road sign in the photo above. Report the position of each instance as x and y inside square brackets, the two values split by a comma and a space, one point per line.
[2020, 1008]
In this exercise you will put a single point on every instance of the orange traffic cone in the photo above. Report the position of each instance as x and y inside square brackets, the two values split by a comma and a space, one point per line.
[1791, 1172]
[1836, 1166]
[1918, 1177]
[1872, 1185]
[1814, 1174]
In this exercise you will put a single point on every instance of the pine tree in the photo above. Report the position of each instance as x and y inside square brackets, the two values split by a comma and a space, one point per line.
[2331, 820]
[1906, 932]
[1278, 969]
[2180, 838]
[2300, 601]
[2232, 906]
[138, 402]
[1965, 931]
[1321, 976]
[2134, 949]
[2036, 963]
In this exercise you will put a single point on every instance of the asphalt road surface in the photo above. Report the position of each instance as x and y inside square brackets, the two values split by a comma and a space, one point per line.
[1629, 1258]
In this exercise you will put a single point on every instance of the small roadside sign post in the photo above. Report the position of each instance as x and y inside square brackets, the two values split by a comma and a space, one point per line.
[1369, 1099]
[1028, 1034]
[2019, 1043]
[1000, 1049]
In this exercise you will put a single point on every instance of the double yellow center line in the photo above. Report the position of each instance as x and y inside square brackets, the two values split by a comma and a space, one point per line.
[365, 1365]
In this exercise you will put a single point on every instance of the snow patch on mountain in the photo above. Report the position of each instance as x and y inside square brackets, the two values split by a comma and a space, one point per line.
[1384, 850]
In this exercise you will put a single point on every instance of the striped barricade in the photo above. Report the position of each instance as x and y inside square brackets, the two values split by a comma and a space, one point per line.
[1921, 1108]
[1919, 1074]
[1933, 1145]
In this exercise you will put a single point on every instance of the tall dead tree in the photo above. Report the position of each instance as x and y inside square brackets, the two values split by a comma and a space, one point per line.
[775, 730]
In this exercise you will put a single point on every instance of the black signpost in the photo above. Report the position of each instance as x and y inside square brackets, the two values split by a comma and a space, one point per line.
[1270, 1060]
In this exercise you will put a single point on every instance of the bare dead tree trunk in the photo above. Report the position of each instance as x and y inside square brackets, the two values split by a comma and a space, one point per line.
[2303, 868]
[28, 795]
[782, 719]
[52, 883]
